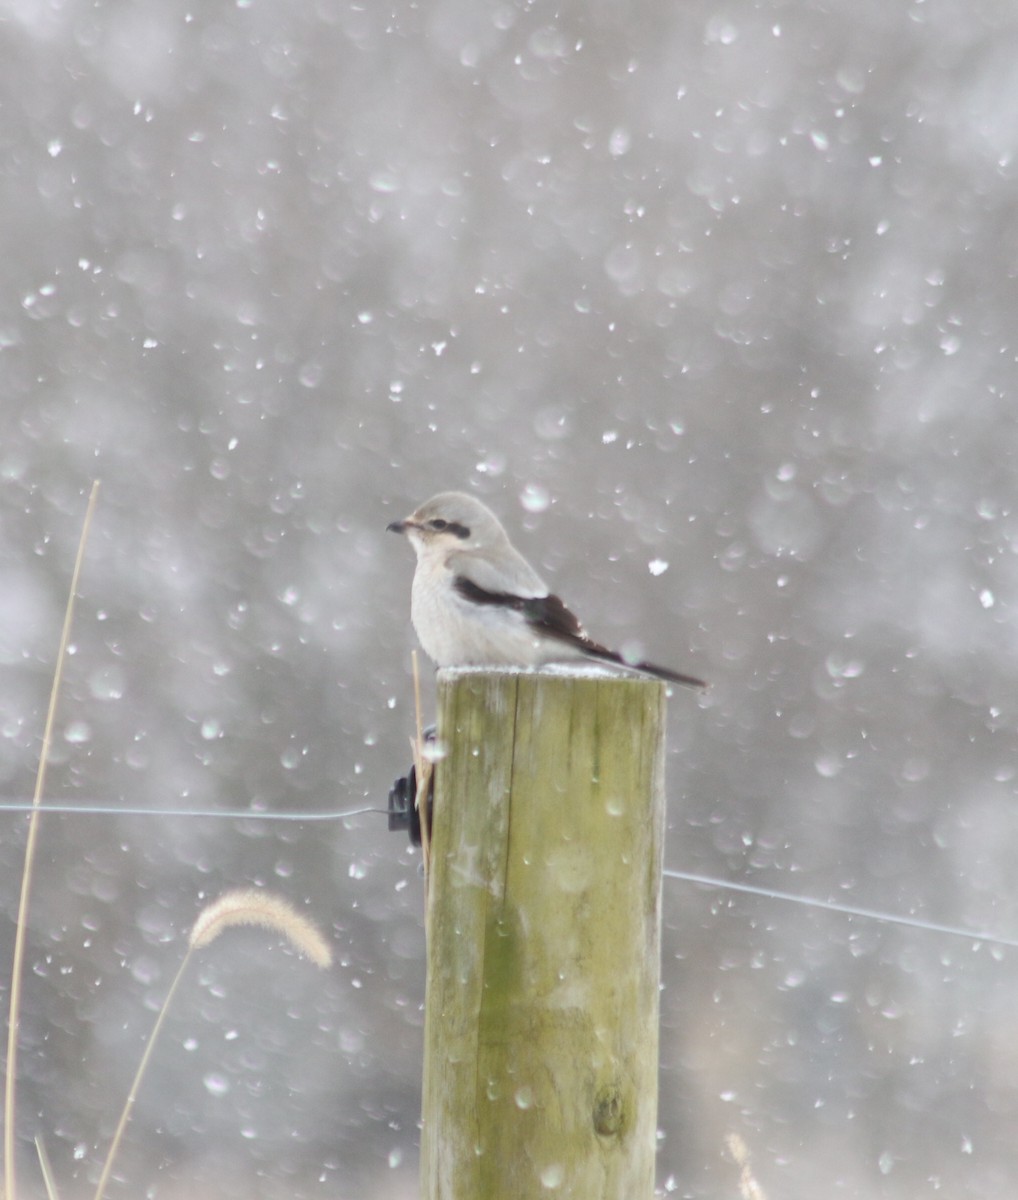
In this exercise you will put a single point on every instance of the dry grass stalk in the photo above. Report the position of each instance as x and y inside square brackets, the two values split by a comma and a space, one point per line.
[244, 906]
[423, 767]
[17, 964]
[48, 1178]
[749, 1189]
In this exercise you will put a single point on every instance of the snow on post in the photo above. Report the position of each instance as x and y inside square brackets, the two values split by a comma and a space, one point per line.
[541, 1026]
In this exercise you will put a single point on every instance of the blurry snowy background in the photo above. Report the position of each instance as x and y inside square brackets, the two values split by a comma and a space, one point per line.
[716, 305]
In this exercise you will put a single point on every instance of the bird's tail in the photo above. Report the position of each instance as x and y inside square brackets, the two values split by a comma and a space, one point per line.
[603, 654]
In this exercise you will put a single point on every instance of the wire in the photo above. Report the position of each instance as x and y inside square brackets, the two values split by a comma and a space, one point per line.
[850, 910]
[115, 810]
[726, 885]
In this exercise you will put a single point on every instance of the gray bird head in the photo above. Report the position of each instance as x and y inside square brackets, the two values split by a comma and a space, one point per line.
[453, 520]
[457, 531]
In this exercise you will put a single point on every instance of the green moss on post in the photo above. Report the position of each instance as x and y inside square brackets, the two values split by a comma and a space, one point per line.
[541, 1029]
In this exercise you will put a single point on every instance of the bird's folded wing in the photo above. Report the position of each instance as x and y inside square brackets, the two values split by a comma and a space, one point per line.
[548, 616]
[511, 575]
[545, 614]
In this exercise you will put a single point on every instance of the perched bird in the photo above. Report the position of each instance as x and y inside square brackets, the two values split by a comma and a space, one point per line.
[476, 601]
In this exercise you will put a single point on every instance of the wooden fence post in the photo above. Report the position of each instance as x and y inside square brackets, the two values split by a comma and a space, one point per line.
[541, 1024]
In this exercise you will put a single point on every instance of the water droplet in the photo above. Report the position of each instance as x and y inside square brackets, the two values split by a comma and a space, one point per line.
[828, 766]
[535, 499]
[107, 683]
[619, 142]
[631, 651]
[384, 182]
[310, 375]
[552, 1177]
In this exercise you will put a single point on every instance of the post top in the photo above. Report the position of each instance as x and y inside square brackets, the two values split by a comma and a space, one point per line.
[549, 671]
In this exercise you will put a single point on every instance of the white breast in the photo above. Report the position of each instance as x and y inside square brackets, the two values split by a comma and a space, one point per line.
[456, 632]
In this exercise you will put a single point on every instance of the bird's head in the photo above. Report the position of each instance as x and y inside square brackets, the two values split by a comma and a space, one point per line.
[451, 522]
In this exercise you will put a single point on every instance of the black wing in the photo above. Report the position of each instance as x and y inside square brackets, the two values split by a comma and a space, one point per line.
[546, 613]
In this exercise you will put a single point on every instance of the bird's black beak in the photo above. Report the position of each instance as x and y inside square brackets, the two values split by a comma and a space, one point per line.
[396, 527]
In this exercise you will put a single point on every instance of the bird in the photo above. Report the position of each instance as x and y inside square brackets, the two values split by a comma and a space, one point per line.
[476, 601]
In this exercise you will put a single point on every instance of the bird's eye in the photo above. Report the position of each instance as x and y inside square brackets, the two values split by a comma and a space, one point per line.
[438, 523]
